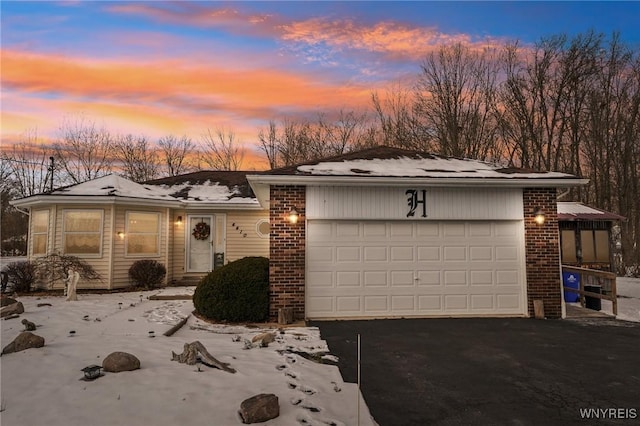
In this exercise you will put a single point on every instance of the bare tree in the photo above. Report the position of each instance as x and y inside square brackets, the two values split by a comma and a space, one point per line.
[175, 153]
[84, 151]
[456, 101]
[137, 159]
[27, 168]
[398, 124]
[221, 150]
[269, 144]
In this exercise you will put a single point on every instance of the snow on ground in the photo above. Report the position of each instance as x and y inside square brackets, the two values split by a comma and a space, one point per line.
[628, 299]
[43, 386]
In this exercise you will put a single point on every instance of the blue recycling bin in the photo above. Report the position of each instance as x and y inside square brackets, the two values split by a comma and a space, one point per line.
[571, 280]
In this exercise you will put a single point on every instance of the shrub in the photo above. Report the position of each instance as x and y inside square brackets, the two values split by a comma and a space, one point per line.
[238, 291]
[22, 275]
[55, 267]
[147, 273]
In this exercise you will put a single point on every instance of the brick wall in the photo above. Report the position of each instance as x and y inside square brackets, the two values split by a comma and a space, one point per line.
[287, 251]
[542, 251]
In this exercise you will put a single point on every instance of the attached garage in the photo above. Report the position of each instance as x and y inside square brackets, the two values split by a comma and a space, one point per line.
[385, 233]
[399, 268]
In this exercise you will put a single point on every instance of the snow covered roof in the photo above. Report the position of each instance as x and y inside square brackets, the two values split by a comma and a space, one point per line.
[395, 162]
[577, 211]
[387, 166]
[200, 189]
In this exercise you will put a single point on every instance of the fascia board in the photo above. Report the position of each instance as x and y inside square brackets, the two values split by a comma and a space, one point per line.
[257, 180]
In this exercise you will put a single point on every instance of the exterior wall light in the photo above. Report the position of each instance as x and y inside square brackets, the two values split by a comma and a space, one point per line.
[179, 220]
[539, 217]
[293, 216]
[121, 235]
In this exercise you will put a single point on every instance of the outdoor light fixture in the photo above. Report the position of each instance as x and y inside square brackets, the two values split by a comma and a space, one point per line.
[121, 235]
[92, 372]
[179, 220]
[539, 217]
[293, 216]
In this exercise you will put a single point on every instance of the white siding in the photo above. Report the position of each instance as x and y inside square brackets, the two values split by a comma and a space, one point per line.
[391, 203]
[242, 236]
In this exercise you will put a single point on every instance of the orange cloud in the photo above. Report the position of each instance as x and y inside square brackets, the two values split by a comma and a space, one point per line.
[389, 38]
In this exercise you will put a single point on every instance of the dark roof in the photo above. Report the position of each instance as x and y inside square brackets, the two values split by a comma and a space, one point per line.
[575, 211]
[234, 180]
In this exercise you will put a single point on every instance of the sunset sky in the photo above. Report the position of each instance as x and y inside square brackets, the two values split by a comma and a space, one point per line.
[156, 67]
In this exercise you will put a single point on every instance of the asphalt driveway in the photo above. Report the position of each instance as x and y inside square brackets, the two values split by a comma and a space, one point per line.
[492, 371]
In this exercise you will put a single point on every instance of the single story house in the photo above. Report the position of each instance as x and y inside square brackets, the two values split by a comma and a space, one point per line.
[586, 238]
[385, 232]
[378, 233]
[191, 223]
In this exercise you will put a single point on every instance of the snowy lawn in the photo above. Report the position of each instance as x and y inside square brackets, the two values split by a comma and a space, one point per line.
[628, 299]
[42, 386]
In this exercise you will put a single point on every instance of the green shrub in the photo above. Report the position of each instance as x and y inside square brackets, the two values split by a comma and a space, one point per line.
[238, 291]
[147, 273]
[22, 275]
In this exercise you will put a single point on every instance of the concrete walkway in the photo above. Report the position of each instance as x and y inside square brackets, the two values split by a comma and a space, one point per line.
[492, 371]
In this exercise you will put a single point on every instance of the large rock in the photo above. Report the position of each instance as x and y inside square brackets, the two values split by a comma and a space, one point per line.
[263, 339]
[25, 340]
[6, 301]
[259, 408]
[13, 309]
[116, 362]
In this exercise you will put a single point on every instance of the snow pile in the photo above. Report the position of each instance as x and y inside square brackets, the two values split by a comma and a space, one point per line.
[43, 386]
[436, 167]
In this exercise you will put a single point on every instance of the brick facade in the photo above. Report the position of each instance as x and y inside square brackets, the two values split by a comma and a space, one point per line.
[542, 250]
[287, 250]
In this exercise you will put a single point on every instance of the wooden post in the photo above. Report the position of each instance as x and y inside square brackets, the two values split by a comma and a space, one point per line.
[285, 316]
[538, 309]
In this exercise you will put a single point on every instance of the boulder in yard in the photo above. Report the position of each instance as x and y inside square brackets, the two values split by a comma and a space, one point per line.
[116, 362]
[13, 309]
[259, 408]
[263, 339]
[25, 340]
[6, 301]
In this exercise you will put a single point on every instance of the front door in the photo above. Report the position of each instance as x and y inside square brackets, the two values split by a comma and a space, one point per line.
[200, 240]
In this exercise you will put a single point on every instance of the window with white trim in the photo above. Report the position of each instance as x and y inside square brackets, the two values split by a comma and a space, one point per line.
[39, 231]
[142, 233]
[82, 232]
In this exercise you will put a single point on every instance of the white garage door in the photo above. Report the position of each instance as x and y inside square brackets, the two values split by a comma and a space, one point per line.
[411, 268]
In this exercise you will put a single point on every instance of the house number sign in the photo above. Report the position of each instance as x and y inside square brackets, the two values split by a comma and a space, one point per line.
[416, 198]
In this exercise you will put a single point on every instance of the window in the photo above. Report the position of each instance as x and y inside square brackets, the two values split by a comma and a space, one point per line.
[568, 240]
[263, 228]
[82, 231]
[595, 245]
[40, 231]
[143, 236]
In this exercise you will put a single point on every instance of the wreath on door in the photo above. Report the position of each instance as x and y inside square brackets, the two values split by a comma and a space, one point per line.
[201, 231]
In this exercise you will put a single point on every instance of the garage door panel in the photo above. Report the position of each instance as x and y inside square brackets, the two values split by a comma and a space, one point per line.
[482, 302]
[455, 278]
[428, 278]
[413, 268]
[320, 279]
[376, 303]
[453, 253]
[402, 254]
[429, 253]
[402, 303]
[375, 278]
[455, 302]
[376, 254]
[481, 278]
[480, 253]
[348, 279]
[346, 304]
[348, 254]
[430, 303]
[402, 279]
